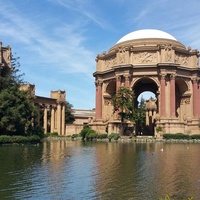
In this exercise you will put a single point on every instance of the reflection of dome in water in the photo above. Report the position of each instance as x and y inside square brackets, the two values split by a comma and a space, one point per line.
[146, 34]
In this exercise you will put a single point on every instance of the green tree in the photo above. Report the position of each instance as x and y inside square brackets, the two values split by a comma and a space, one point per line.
[123, 105]
[140, 115]
[69, 117]
[17, 110]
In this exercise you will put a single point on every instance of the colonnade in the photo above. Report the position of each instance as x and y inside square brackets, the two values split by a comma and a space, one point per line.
[57, 118]
[99, 84]
[172, 93]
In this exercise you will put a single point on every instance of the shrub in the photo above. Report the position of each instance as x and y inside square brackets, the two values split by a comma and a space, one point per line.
[34, 139]
[5, 139]
[19, 139]
[91, 134]
[87, 133]
[168, 136]
[195, 137]
[102, 136]
[114, 136]
[75, 135]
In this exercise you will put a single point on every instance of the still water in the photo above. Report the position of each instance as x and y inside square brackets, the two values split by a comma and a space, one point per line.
[74, 170]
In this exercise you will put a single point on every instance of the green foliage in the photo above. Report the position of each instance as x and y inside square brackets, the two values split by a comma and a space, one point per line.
[17, 110]
[69, 117]
[54, 134]
[139, 115]
[114, 136]
[5, 139]
[168, 136]
[102, 136]
[195, 137]
[75, 135]
[159, 128]
[123, 102]
[88, 134]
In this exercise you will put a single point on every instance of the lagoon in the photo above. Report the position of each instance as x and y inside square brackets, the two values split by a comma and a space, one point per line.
[73, 170]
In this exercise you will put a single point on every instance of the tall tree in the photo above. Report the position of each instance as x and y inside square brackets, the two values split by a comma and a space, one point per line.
[17, 110]
[69, 117]
[123, 104]
[140, 115]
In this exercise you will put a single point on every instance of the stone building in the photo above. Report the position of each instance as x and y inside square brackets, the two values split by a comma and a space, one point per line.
[155, 61]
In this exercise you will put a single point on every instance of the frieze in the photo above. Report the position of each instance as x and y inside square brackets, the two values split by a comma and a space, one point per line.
[145, 57]
[168, 53]
[121, 55]
[181, 59]
[109, 62]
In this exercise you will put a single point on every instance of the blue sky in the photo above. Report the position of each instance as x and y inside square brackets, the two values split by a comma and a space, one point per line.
[58, 40]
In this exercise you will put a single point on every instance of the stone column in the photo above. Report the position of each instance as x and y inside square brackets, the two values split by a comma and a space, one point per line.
[127, 81]
[63, 119]
[172, 96]
[162, 96]
[99, 99]
[118, 82]
[59, 118]
[52, 118]
[195, 97]
[45, 119]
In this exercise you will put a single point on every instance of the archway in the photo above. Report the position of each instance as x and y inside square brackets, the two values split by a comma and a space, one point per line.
[147, 106]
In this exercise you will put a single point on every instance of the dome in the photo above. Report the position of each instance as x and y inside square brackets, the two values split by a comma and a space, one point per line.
[147, 34]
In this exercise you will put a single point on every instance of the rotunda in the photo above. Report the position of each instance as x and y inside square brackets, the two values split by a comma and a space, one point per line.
[155, 61]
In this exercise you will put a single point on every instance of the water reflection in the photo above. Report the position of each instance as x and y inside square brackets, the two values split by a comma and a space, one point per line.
[67, 169]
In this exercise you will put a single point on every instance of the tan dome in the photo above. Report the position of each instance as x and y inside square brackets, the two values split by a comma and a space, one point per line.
[146, 34]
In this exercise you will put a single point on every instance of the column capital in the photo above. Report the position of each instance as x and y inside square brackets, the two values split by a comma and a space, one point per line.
[118, 78]
[127, 77]
[172, 76]
[98, 82]
[194, 79]
[162, 75]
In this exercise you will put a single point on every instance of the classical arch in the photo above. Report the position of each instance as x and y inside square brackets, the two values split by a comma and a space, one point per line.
[151, 60]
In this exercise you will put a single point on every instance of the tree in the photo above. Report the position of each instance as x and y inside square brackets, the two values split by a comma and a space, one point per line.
[17, 110]
[69, 117]
[123, 104]
[140, 115]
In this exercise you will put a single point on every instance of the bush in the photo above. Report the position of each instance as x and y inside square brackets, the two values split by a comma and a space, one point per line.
[114, 136]
[5, 139]
[176, 136]
[75, 135]
[87, 133]
[102, 136]
[195, 137]
[91, 134]
[34, 139]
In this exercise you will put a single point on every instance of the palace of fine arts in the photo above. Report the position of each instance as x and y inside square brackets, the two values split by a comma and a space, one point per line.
[146, 60]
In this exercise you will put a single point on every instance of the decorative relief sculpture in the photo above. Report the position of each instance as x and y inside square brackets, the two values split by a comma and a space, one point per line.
[181, 59]
[121, 55]
[145, 57]
[107, 102]
[168, 53]
[185, 101]
[109, 62]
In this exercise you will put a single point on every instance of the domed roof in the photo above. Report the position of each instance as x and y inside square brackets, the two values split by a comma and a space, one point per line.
[147, 34]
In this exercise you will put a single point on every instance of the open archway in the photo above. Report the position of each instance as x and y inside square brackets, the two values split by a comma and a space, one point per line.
[146, 106]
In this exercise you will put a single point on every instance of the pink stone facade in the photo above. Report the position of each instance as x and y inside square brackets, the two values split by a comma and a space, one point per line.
[162, 66]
